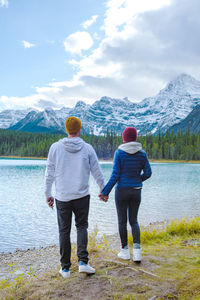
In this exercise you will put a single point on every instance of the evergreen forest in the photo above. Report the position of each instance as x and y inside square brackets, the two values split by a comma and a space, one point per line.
[180, 146]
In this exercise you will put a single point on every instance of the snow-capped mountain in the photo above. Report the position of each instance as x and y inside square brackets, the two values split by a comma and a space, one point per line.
[10, 117]
[44, 121]
[171, 105]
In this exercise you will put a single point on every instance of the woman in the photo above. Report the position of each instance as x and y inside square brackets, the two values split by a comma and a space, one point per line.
[130, 168]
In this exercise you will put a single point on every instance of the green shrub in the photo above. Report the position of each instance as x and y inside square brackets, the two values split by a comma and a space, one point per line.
[184, 227]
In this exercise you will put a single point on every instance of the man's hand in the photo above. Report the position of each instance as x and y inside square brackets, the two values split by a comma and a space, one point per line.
[103, 198]
[50, 201]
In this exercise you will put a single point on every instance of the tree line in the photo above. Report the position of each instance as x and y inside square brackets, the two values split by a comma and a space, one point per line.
[184, 146]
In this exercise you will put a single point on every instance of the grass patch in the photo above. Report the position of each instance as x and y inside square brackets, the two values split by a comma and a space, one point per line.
[176, 228]
[184, 227]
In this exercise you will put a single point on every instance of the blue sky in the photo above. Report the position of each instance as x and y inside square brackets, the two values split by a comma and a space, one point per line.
[45, 24]
[54, 53]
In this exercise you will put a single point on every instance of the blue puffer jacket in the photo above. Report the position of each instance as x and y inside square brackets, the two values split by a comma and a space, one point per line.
[130, 167]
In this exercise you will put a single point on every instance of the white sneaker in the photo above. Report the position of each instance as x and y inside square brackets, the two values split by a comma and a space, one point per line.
[124, 253]
[137, 255]
[85, 268]
[64, 273]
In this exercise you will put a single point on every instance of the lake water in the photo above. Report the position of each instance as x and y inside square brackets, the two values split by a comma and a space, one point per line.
[26, 221]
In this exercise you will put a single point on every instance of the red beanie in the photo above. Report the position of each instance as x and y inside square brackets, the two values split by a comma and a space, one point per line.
[129, 134]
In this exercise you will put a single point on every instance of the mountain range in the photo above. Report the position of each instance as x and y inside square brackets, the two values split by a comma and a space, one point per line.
[174, 104]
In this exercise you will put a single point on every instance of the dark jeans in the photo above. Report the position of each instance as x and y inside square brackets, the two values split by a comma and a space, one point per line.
[127, 202]
[80, 208]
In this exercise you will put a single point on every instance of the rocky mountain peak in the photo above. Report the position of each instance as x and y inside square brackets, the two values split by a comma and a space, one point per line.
[183, 84]
[80, 104]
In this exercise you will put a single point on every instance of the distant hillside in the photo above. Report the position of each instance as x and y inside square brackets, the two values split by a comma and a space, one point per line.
[43, 122]
[191, 122]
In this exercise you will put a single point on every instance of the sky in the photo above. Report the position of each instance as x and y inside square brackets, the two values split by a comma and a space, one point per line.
[55, 53]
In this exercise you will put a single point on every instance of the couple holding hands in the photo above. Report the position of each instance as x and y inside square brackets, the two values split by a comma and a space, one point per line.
[69, 163]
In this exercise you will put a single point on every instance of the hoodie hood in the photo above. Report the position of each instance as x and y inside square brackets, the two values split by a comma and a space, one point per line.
[72, 144]
[131, 147]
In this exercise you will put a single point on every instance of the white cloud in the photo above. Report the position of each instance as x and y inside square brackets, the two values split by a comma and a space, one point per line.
[78, 41]
[112, 68]
[27, 44]
[45, 104]
[41, 99]
[136, 52]
[4, 3]
[18, 102]
[89, 22]
[122, 13]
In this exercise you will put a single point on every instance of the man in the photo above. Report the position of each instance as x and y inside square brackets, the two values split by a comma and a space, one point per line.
[70, 161]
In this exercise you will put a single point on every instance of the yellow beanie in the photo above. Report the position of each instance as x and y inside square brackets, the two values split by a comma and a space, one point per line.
[73, 125]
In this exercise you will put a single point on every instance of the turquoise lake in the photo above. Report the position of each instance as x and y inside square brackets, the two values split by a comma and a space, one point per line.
[26, 221]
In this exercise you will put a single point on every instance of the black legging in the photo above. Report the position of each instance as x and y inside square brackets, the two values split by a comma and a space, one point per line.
[127, 202]
[80, 208]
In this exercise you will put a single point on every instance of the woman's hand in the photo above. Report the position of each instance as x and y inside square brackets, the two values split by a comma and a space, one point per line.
[103, 198]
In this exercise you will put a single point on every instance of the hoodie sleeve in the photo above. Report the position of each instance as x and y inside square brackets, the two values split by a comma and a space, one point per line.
[114, 176]
[50, 172]
[96, 169]
[146, 169]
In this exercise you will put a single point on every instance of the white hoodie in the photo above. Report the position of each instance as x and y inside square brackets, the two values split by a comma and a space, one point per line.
[69, 164]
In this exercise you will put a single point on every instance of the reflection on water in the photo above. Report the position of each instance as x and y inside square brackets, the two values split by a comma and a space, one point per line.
[26, 221]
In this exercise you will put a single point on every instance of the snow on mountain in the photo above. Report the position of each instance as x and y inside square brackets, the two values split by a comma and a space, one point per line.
[107, 113]
[171, 105]
[61, 113]
[10, 117]
[191, 122]
[44, 121]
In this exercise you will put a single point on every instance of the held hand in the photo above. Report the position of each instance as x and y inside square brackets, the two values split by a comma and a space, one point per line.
[103, 198]
[50, 201]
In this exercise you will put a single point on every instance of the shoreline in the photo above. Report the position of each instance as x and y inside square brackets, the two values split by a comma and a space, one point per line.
[174, 161]
[158, 225]
[104, 160]
[22, 157]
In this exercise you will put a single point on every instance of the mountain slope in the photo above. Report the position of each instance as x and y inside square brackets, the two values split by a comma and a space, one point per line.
[45, 121]
[191, 122]
[172, 104]
[10, 117]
